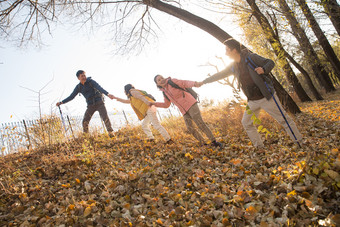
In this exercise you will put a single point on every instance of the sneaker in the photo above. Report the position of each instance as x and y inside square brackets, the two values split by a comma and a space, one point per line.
[170, 141]
[150, 140]
[217, 144]
[260, 151]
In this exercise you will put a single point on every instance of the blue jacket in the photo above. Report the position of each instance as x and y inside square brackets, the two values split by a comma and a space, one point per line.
[91, 90]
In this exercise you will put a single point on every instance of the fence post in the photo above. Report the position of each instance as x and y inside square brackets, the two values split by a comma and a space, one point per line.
[159, 115]
[170, 112]
[27, 134]
[127, 122]
[3, 142]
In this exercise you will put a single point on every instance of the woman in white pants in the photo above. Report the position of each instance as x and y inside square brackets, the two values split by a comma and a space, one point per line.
[140, 102]
[251, 71]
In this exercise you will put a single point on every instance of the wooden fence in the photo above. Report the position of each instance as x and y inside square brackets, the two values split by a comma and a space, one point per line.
[26, 134]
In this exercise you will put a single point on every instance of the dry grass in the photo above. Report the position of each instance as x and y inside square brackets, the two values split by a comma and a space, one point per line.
[125, 181]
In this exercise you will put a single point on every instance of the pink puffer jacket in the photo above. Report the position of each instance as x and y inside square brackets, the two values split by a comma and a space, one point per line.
[183, 100]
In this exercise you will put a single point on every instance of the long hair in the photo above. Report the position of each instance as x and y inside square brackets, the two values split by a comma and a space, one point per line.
[127, 89]
[233, 44]
[154, 79]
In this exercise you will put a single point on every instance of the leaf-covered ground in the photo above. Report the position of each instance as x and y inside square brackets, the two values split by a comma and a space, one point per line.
[125, 181]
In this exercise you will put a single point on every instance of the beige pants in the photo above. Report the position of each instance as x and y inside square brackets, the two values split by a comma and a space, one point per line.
[151, 118]
[194, 115]
[271, 108]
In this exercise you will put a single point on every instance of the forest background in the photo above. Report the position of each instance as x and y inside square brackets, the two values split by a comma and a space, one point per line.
[97, 180]
[133, 45]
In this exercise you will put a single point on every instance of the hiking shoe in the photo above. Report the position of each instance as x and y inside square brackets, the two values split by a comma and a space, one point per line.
[150, 140]
[217, 144]
[170, 141]
[111, 135]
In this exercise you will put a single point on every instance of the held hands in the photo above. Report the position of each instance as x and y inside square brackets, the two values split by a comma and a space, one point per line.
[111, 96]
[259, 70]
[151, 104]
[198, 84]
[59, 103]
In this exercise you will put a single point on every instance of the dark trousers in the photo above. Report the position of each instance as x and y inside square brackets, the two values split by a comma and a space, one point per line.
[100, 107]
[194, 115]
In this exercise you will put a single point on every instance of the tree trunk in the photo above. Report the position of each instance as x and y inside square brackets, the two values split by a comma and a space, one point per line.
[332, 9]
[279, 51]
[311, 56]
[323, 41]
[286, 100]
[306, 76]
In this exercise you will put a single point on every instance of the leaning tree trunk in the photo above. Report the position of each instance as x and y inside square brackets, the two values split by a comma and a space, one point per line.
[323, 41]
[305, 74]
[287, 101]
[332, 9]
[279, 51]
[310, 54]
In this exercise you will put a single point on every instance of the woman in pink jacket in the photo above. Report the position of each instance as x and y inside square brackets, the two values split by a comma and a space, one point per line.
[187, 105]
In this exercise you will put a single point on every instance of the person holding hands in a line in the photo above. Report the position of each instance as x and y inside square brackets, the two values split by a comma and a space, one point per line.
[141, 102]
[186, 104]
[92, 92]
[251, 71]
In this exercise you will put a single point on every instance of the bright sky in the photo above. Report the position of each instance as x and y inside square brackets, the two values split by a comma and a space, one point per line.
[180, 53]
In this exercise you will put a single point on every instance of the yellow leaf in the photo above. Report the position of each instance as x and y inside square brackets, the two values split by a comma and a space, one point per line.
[236, 161]
[316, 171]
[71, 207]
[188, 155]
[23, 195]
[225, 222]
[335, 151]
[87, 211]
[251, 210]
[77, 181]
[326, 165]
[66, 185]
[264, 224]
[127, 206]
[159, 221]
[292, 193]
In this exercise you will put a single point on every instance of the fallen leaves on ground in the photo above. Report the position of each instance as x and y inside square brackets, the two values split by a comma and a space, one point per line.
[126, 181]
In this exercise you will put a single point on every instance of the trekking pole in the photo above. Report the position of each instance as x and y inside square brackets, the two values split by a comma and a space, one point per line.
[253, 65]
[62, 119]
[284, 117]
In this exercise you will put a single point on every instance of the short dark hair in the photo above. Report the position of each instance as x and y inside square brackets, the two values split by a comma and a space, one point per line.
[233, 44]
[79, 72]
[127, 89]
[154, 79]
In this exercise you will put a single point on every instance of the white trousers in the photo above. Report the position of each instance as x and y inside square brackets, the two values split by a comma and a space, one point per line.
[151, 118]
[271, 108]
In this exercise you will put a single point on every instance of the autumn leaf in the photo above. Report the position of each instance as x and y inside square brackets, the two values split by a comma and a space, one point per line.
[87, 211]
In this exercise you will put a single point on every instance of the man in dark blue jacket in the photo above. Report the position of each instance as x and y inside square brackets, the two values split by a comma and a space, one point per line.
[92, 92]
